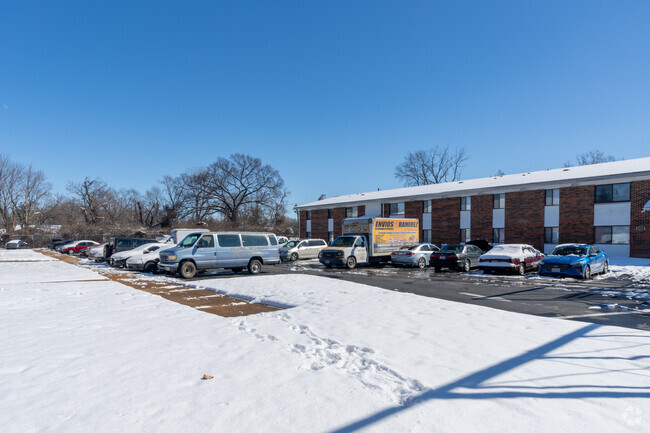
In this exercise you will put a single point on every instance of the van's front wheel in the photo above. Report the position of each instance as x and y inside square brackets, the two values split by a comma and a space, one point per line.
[351, 263]
[254, 267]
[187, 270]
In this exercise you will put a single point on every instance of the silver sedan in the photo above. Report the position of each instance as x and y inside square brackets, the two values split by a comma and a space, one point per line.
[413, 255]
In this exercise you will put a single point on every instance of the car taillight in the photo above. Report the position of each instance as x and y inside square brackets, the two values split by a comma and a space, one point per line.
[408, 254]
[393, 253]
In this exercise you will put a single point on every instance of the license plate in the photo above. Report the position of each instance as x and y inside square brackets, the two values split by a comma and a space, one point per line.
[327, 262]
[555, 269]
[442, 257]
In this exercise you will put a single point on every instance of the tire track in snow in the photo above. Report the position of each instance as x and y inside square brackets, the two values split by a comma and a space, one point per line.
[354, 361]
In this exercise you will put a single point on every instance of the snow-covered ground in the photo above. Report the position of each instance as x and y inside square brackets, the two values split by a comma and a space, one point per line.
[81, 355]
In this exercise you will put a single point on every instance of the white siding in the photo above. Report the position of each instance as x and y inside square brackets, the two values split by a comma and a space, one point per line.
[373, 209]
[465, 219]
[615, 250]
[426, 221]
[330, 225]
[551, 216]
[498, 218]
[612, 214]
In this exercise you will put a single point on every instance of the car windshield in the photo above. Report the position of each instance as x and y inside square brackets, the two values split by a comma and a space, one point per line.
[291, 244]
[343, 242]
[569, 251]
[189, 240]
[451, 249]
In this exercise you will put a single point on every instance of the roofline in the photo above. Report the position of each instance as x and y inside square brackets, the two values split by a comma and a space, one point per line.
[593, 180]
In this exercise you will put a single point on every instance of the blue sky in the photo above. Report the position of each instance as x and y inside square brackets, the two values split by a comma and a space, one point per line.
[331, 93]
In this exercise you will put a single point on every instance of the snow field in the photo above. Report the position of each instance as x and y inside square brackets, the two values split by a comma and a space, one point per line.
[100, 356]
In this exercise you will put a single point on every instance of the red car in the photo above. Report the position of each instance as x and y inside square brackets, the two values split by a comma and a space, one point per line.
[77, 246]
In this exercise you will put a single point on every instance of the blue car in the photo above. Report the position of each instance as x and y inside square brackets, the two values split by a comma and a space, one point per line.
[575, 260]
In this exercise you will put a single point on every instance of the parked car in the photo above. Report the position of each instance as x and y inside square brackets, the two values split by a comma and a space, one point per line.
[413, 255]
[483, 244]
[119, 259]
[200, 252]
[95, 253]
[62, 245]
[15, 244]
[461, 257]
[517, 258]
[575, 260]
[56, 242]
[302, 249]
[282, 240]
[120, 244]
[146, 260]
[77, 246]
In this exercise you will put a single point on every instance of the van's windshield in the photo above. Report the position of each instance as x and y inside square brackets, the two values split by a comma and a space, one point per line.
[189, 240]
[343, 242]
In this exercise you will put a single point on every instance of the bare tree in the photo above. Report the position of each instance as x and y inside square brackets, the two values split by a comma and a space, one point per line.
[93, 195]
[435, 165]
[32, 190]
[591, 157]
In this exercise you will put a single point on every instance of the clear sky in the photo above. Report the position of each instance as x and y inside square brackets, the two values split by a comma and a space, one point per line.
[331, 93]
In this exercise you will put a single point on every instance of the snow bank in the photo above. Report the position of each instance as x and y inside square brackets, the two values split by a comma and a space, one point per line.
[99, 356]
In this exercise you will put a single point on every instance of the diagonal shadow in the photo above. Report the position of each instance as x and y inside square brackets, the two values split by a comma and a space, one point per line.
[474, 381]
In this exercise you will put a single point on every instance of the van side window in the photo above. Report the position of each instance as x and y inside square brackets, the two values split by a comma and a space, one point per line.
[254, 240]
[360, 243]
[122, 243]
[229, 240]
[273, 240]
[207, 241]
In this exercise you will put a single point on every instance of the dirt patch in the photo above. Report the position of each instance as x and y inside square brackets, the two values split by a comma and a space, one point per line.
[200, 299]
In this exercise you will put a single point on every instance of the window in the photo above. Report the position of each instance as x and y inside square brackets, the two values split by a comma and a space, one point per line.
[498, 236]
[426, 206]
[308, 215]
[227, 241]
[360, 243]
[465, 235]
[396, 209]
[273, 240]
[552, 197]
[207, 241]
[329, 213]
[612, 234]
[254, 240]
[465, 203]
[330, 237]
[499, 201]
[551, 235]
[317, 243]
[308, 235]
[351, 212]
[612, 193]
[426, 235]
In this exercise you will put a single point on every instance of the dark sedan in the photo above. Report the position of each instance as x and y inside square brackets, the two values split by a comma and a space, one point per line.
[460, 257]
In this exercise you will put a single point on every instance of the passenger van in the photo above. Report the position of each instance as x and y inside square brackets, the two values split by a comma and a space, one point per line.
[200, 252]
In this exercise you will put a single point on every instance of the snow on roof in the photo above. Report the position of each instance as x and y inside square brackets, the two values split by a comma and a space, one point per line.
[566, 176]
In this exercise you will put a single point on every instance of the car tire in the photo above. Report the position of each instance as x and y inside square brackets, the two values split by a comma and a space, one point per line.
[293, 257]
[606, 267]
[150, 267]
[467, 266]
[254, 266]
[586, 273]
[422, 263]
[521, 269]
[351, 263]
[187, 270]
[237, 270]
[70, 252]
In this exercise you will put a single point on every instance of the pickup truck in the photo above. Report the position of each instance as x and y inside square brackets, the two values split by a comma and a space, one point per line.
[369, 241]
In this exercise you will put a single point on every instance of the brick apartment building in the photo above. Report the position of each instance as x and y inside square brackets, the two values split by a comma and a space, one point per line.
[601, 204]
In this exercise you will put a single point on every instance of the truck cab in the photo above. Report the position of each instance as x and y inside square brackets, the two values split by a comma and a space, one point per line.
[347, 250]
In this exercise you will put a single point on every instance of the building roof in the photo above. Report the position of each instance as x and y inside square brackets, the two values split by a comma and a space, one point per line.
[632, 169]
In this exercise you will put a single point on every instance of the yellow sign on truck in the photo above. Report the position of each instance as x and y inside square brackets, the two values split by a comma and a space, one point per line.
[370, 240]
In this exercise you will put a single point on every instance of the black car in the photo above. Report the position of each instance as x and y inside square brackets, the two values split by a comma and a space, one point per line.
[461, 257]
[56, 242]
[483, 244]
[117, 245]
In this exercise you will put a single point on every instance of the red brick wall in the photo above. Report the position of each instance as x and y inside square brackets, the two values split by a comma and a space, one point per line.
[445, 221]
[338, 215]
[524, 223]
[576, 214]
[303, 224]
[361, 210]
[639, 238]
[481, 217]
[319, 224]
[413, 209]
[386, 208]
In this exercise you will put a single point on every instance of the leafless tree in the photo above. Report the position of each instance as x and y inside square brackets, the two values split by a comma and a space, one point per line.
[435, 165]
[32, 190]
[591, 157]
[94, 195]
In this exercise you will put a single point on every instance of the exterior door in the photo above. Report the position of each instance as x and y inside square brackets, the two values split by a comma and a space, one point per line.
[205, 254]
[229, 251]
[360, 250]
